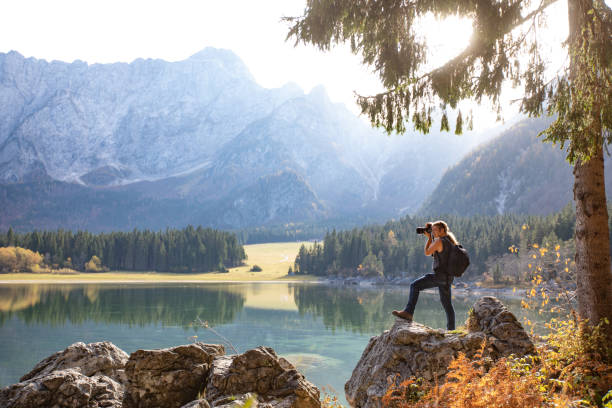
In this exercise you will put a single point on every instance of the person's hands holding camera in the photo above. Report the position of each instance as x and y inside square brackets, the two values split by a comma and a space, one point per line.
[428, 229]
[425, 230]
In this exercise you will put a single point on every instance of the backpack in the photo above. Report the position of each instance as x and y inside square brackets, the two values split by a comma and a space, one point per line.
[458, 260]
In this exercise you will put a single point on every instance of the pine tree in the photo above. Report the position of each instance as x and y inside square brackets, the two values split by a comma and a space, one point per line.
[385, 34]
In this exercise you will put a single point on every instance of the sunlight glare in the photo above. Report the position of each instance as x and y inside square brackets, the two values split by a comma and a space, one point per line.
[446, 38]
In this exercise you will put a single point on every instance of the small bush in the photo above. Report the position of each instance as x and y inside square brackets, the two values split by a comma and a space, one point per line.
[256, 268]
[94, 265]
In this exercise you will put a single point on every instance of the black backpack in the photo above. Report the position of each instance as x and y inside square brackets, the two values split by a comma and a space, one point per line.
[458, 260]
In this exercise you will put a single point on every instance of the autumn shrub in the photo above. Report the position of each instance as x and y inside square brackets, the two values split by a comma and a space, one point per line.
[16, 259]
[8, 259]
[577, 360]
[469, 385]
[406, 393]
[477, 383]
[330, 400]
[94, 265]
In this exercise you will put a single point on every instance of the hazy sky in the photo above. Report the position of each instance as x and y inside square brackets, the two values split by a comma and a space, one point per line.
[113, 30]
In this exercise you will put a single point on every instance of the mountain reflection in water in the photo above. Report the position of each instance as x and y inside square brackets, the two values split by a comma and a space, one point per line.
[363, 310]
[123, 304]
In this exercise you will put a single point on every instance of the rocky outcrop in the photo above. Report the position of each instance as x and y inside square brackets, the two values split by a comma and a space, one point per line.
[413, 350]
[274, 380]
[503, 331]
[67, 388]
[102, 375]
[168, 377]
[103, 358]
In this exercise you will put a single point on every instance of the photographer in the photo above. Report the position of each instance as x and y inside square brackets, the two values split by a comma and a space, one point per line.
[438, 247]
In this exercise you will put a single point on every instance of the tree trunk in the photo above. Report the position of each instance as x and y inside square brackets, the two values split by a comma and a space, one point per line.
[594, 278]
[593, 274]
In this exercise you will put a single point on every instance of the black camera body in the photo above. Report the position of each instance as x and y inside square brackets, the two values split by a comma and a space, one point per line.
[422, 230]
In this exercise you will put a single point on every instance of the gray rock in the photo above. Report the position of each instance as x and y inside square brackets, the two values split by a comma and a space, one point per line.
[103, 358]
[168, 377]
[274, 380]
[501, 327]
[67, 388]
[413, 350]
[80, 376]
[200, 403]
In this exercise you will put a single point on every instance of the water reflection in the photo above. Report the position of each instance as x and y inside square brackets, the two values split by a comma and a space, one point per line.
[124, 304]
[363, 310]
[368, 309]
[323, 329]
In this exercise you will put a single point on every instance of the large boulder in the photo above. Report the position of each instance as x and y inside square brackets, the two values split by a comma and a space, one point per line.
[503, 331]
[275, 381]
[103, 358]
[169, 377]
[67, 388]
[413, 350]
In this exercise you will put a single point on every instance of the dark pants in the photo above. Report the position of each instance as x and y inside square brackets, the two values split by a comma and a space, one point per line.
[431, 281]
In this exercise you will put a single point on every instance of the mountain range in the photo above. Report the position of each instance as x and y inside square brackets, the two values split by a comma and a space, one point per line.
[152, 144]
[516, 172]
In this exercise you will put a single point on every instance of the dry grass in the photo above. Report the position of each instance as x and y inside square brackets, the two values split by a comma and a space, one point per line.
[273, 258]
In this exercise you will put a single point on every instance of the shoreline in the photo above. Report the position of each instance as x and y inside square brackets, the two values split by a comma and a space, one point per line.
[85, 281]
[136, 278]
[470, 290]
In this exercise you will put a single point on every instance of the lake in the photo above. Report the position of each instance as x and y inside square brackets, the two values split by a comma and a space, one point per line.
[321, 329]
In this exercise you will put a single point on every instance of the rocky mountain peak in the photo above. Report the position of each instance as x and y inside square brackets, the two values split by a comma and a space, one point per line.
[227, 59]
[318, 94]
[177, 141]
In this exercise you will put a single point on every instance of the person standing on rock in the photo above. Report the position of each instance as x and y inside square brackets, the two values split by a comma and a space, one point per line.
[439, 247]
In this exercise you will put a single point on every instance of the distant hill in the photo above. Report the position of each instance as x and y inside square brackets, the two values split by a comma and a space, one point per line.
[152, 144]
[514, 173]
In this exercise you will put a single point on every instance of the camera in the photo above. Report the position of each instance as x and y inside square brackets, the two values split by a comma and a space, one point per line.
[422, 230]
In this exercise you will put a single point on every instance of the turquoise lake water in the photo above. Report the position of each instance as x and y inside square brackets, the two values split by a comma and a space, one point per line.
[321, 329]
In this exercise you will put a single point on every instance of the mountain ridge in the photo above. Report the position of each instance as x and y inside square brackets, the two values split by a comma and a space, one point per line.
[175, 142]
[516, 172]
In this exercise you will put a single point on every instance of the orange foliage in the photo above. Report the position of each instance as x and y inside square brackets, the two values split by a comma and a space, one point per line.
[573, 368]
[469, 385]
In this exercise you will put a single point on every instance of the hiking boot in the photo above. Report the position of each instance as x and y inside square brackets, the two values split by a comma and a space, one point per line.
[402, 314]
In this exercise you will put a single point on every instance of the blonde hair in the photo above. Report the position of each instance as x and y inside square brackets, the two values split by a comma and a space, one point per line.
[444, 226]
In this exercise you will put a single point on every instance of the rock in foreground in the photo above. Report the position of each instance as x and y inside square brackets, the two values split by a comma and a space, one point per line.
[101, 375]
[413, 350]
[168, 377]
[275, 381]
[103, 358]
[63, 388]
